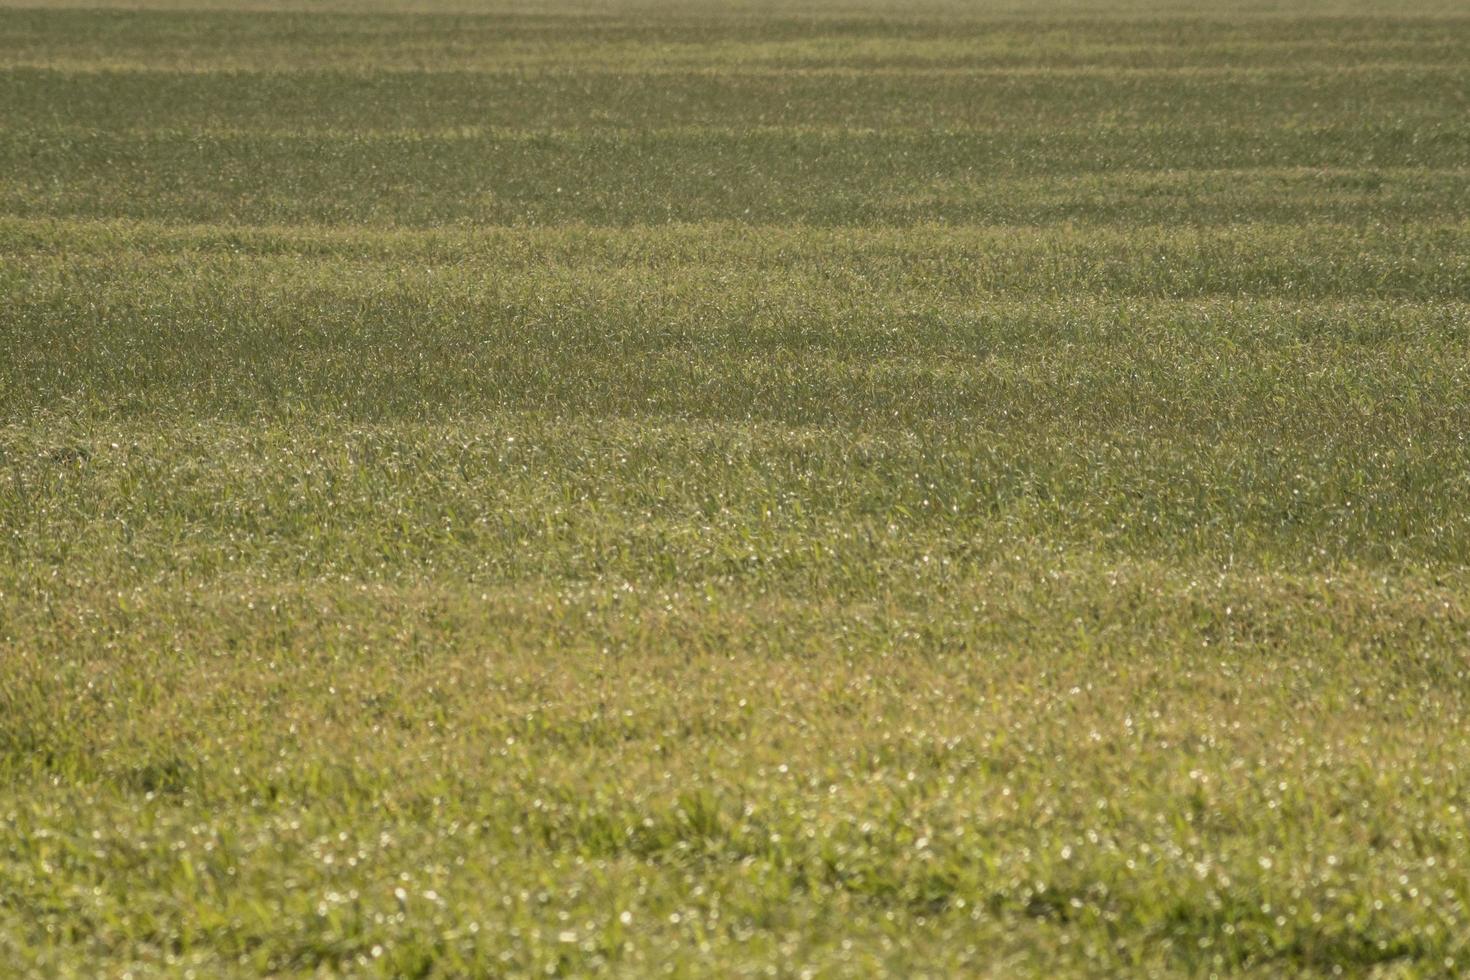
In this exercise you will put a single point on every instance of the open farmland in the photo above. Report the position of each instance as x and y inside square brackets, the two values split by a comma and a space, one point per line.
[828, 491]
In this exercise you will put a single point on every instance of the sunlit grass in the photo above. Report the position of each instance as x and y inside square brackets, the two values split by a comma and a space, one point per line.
[829, 492]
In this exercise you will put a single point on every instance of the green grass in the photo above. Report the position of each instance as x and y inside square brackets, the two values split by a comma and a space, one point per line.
[617, 489]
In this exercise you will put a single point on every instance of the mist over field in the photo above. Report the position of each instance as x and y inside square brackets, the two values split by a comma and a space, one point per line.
[834, 489]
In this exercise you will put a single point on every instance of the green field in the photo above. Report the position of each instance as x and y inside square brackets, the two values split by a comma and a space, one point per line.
[782, 490]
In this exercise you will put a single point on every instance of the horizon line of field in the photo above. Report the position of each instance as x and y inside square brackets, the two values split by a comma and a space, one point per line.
[937, 18]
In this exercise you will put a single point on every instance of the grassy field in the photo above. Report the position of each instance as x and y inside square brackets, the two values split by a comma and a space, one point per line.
[816, 491]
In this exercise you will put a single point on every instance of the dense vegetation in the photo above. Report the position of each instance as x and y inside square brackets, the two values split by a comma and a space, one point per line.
[633, 489]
